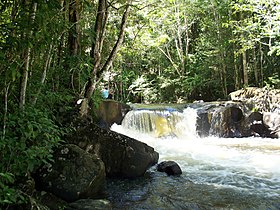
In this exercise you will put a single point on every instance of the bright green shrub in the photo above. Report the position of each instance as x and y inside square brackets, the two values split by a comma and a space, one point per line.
[27, 140]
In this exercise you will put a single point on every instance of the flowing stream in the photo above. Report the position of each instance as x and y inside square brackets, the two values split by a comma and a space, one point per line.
[218, 173]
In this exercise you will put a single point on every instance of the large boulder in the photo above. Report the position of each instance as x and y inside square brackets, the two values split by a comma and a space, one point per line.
[253, 125]
[225, 122]
[74, 174]
[272, 120]
[261, 99]
[110, 112]
[267, 102]
[236, 119]
[221, 119]
[123, 156]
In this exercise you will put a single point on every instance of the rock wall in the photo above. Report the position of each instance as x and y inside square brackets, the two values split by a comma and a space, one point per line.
[234, 119]
[266, 101]
[260, 99]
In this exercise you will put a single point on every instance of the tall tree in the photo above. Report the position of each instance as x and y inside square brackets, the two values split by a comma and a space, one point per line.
[74, 31]
[255, 27]
[27, 59]
[97, 47]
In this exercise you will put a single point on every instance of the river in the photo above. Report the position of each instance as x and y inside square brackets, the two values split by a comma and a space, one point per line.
[218, 173]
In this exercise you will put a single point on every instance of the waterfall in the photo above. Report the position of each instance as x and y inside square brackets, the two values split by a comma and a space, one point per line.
[162, 123]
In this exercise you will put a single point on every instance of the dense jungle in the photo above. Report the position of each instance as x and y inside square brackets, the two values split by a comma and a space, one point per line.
[57, 56]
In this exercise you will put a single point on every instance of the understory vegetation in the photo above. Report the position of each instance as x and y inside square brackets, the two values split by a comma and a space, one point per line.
[54, 52]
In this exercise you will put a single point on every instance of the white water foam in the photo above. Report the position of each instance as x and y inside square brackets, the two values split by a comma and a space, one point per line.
[245, 163]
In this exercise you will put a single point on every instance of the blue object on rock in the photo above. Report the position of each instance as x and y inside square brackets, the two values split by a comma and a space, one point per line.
[105, 93]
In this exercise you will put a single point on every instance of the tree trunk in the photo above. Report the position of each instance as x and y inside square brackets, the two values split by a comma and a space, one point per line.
[178, 41]
[26, 68]
[236, 70]
[236, 76]
[187, 40]
[99, 34]
[256, 73]
[96, 48]
[245, 70]
[60, 49]
[261, 65]
[224, 77]
[7, 86]
[117, 45]
[74, 40]
[44, 74]
[74, 33]
[168, 56]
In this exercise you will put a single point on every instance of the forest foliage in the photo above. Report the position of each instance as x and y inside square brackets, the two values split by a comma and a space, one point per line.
[54, 52]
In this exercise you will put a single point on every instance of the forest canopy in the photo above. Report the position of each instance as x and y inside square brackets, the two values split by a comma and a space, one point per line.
[54, 52]
[165, 51]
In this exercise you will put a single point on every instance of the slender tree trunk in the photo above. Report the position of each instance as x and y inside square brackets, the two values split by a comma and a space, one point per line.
[236, 69]
[74, 39]
[256, 73]
[59, 55]
[117, 45]
[236, 77]
[244, 58]
[168, 56]
[96, 50]
[44, 74]
[73, 32]
[7, 86]
[27, 66]
[61, 46]
[240, 68]
[245, 70]
[187, 40]
[24, 79]
[261, 65]
[178, 41]
[224, 77]
[222, 72]
[99, 32]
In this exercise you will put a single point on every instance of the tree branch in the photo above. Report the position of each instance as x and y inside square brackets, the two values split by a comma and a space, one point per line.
[117, 45]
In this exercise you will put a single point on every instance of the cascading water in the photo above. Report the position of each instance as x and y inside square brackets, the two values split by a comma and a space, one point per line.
[161, 123]
[218, 173]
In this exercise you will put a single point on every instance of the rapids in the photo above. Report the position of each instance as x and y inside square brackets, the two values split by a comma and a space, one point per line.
[218, 173]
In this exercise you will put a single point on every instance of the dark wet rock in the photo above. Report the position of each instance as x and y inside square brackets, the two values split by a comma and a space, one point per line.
[110, 112]
[253, 125]
[203, 124]
[89, 204]
[122, 155]
[73, 175]
[170, 168]
[267, 102]
[261, 130]
[220, 118]
[236, 119]
[50, 201]
[272, 120]
[225, 121]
